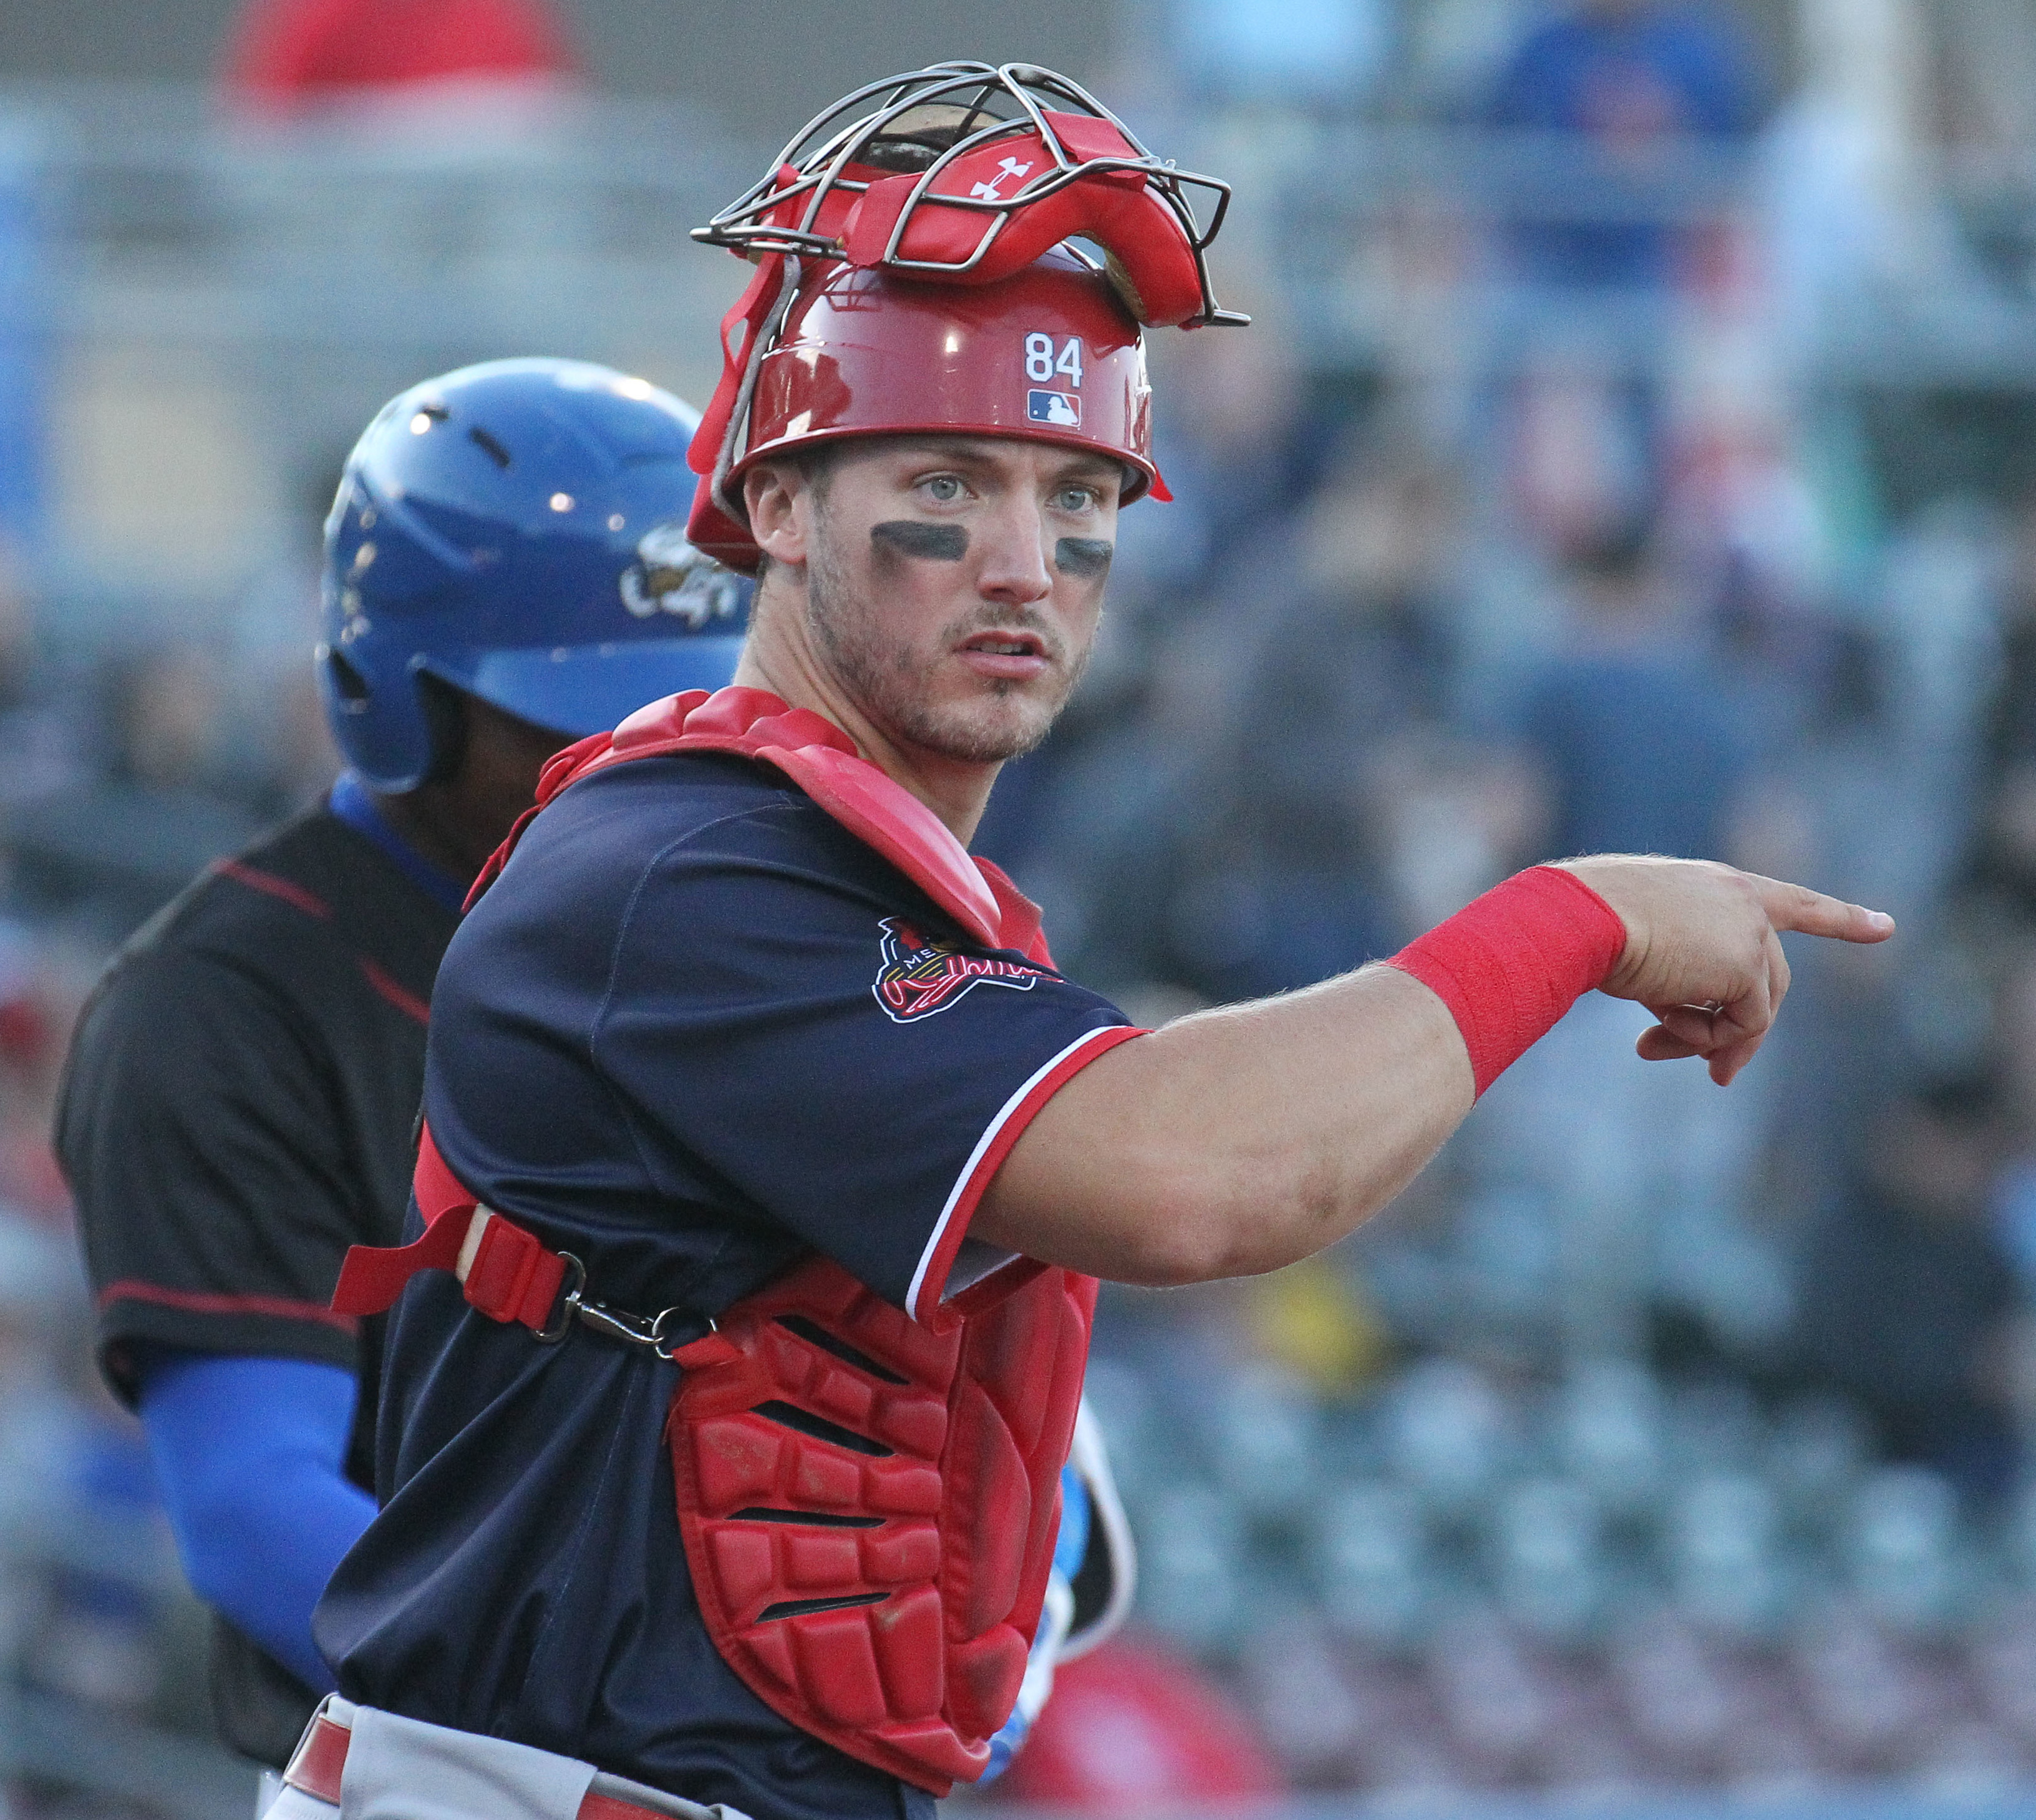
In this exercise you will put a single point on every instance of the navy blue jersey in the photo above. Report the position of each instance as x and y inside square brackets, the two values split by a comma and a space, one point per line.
[695, 1032]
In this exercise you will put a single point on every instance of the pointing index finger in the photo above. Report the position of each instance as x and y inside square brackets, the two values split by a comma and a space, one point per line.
[1797, 907]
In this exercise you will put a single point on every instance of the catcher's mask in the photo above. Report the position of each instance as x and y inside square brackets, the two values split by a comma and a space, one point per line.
[965, 173]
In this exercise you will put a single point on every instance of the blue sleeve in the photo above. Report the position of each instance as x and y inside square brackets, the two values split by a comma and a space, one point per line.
[249, 1456]
[1072, 1543]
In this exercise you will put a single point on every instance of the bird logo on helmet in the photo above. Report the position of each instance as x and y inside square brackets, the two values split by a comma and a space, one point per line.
[670, 576]
[513, 530]
[917, 271]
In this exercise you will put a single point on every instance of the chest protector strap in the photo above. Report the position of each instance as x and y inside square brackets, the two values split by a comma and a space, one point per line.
[867, 1503]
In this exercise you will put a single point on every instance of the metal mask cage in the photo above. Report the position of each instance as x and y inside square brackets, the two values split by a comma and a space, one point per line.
[961, 106]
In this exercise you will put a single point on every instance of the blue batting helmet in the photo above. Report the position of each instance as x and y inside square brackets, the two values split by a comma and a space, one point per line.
[517, 529]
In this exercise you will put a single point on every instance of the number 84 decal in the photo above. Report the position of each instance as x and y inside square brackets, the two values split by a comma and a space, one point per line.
[1043, 360]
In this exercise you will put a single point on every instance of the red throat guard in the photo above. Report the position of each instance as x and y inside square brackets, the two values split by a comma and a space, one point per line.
[917, 270]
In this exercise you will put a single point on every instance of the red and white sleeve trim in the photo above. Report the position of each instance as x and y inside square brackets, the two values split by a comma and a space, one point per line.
[930, 1286]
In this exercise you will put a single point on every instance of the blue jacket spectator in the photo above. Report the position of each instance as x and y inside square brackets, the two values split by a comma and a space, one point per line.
[1642, 738]
[1627, 75]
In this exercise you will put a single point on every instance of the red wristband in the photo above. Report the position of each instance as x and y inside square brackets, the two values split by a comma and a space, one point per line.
[1510, 963]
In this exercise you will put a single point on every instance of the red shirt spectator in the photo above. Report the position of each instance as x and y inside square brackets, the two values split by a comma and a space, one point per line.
[288, 56]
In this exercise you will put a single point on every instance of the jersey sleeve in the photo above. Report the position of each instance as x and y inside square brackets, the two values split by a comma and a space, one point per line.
[791, 1013]
[199, 1132]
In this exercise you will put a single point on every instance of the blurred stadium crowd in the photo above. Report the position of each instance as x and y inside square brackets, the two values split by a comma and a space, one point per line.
[1636, 451]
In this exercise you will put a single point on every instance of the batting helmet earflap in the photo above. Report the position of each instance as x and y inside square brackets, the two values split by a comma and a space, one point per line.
[516, 529]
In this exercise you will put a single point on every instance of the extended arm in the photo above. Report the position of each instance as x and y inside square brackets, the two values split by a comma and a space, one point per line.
[1242, 1140]
[1236, 1141]
[249, 1453]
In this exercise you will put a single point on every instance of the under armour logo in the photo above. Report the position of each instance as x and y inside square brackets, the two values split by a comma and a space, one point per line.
[1009, 168]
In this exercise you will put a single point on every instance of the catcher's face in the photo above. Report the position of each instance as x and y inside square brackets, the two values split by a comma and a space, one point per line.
[952, 585]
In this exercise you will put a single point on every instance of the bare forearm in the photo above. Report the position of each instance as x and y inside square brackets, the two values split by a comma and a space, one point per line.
[1243, 1140]
[1237, 1140]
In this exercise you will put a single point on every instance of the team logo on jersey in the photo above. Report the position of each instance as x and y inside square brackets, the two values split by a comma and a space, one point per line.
[919, 976]
[1061, 408]
[670, 576]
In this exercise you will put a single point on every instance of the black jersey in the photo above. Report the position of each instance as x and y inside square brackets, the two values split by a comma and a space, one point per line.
[237, 1110]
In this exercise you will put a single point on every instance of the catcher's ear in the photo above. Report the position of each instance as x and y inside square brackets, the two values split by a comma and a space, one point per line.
[772, 493]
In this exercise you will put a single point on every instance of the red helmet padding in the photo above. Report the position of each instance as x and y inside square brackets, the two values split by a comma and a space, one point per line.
[739, 328]
[866, 353]
[1114, 208]
[746, 317]
[835, 202]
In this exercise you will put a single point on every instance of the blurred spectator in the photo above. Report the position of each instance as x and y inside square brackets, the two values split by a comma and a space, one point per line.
[1132, 1725]
[284, 757]
[1628, 77]
[1314, 1320]
[2014, 1051]
[25, 336]
[295, 56]
[160, 756]
[114, 846]
[1579, 448]
[1622, 93]
[1239, 450]
[1321, 53]
[2004, 858]
[1641, 743]
[1288, 879]
[1905, 1296]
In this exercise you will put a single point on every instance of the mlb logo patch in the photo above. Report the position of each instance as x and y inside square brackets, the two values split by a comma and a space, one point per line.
[1063, 409]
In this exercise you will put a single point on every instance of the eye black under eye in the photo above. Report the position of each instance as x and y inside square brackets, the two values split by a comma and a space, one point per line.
[940, 543]
[1085, 557]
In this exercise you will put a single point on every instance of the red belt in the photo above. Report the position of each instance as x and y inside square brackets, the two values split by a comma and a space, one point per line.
[322, 1756]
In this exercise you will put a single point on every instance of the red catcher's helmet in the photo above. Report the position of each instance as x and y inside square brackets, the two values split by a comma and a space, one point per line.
[915, 275]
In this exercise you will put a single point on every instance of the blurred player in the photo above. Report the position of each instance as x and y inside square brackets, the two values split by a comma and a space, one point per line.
[769, 1164]
[506, 570]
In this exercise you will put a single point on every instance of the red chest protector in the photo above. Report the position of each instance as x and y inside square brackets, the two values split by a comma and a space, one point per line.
[867, 1503]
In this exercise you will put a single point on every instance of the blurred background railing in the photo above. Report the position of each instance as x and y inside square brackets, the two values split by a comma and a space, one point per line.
[1659, 474]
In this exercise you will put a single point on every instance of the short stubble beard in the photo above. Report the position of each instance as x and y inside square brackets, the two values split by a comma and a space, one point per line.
[890, 686]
